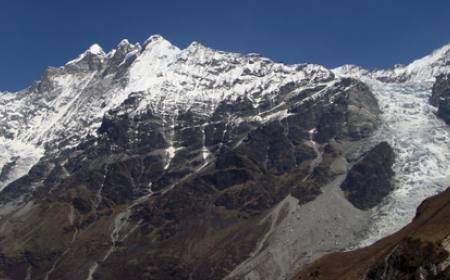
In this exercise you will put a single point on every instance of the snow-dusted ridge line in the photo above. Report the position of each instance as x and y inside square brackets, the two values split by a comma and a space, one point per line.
[69, 102]
[95, 49]
[423, 69]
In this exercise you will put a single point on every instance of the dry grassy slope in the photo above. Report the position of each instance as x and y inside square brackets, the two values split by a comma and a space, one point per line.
[403, 255]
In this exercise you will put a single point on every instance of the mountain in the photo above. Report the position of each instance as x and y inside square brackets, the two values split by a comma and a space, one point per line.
[154, 162]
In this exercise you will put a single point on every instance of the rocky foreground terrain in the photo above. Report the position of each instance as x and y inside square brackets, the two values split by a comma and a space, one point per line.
[154, 162]
[421, 250]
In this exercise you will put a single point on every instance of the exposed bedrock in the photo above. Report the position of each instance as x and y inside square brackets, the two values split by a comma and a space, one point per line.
[369, 180]
[441, 97]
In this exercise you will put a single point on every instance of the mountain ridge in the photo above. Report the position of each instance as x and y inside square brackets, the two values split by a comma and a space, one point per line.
[178, 155]
[424, 68]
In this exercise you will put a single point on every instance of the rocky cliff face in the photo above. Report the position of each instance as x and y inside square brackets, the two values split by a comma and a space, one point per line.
[154, 162]
[369, 180]
[441, 97]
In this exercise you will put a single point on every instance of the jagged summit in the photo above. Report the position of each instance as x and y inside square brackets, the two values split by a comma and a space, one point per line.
[70, 101]
[94, 49]
[174, 79]
[157, 48]
[155, 38]
[123, 44]
[431, 65]
[197, 46]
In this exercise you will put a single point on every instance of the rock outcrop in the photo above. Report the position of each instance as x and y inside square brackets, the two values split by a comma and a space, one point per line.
[441, 97]
[369, 180]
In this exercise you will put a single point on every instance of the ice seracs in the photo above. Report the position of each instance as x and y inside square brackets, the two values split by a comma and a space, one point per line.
[421, 143]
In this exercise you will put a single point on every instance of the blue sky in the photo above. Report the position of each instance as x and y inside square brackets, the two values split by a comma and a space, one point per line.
[372, 33]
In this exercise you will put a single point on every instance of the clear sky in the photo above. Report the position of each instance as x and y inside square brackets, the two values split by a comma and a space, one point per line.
[35, 34]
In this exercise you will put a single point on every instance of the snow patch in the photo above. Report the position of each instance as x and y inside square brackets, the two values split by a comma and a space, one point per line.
[94, 49]
[20, 156]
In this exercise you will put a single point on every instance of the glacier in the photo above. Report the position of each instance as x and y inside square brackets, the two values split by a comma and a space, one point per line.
[421, 143]
[420, 139]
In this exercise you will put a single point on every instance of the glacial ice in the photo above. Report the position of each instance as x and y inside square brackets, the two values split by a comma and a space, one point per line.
[421, 142]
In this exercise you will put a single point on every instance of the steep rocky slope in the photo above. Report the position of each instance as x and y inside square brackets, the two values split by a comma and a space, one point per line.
[154, 162]
[369, 180]
[421, 250]
[162, 163]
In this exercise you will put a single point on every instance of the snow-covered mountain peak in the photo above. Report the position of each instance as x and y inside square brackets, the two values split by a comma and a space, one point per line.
[93, 50]
[197, 53]
[123, 43]
[157, 40]
[123, 52]
[124, 46]
[431, 65]
[96, 49]
[350, 70]
[196, 47]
